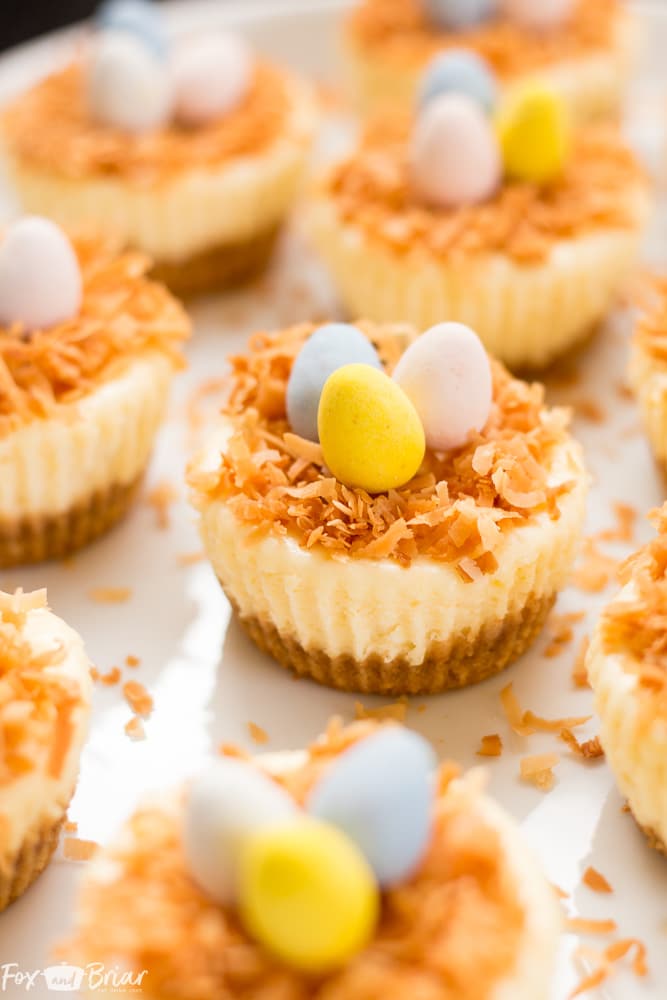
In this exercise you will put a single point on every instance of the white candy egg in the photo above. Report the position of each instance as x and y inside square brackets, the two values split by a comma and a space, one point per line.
[226, 803]
[211, 76]
[455, 155]
[447, 375]
[128, 85]
[40, 277]
[538, 14]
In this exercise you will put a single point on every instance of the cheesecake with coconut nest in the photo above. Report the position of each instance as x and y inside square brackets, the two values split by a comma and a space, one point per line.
[627, 669]
[88, 350]
[521, 228]
[474, 917]
[45, 690]
[438, 580]
[193, 157]
[585, 49]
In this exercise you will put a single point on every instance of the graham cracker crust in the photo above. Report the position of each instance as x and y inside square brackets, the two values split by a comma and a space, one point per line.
[222, 268]
[561, 364]
[449, 664]
[21, 870]
[37, 538]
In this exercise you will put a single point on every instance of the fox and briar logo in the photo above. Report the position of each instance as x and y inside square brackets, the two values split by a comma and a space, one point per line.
[69, 978]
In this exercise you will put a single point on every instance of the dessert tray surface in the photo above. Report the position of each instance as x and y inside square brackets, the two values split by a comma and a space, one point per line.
[209, 683]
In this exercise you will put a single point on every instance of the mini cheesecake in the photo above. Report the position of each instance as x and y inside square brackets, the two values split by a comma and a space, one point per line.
[205, 202]
[627, 668]
[587, 58]
[476, 918]
[81, 402]
[45, 689]
[435, 585]
[533, 268]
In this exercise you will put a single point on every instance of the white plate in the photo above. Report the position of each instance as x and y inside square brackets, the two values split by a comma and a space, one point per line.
[208, 681]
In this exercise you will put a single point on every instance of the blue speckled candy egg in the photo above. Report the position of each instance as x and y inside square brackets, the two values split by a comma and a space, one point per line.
[380, 793]
[329, 348]
[138, 17]
[459, 71]
[456, 15]
[228, 802]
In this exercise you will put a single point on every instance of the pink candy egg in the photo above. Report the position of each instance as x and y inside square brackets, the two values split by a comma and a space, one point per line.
[447, 376]
[455, 156]
[40, 277]
[538, 14]
[211, 76]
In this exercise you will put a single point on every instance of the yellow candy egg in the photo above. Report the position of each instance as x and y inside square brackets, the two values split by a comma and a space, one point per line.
[534, 136]
[307, 894]
[370, 432]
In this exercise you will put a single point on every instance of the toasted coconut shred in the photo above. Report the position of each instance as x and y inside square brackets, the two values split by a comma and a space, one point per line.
[539, 770]
[75, 849]
[635, 623]
[458, 507]
[372, 191]
[490, 746]
[586, 925]
[257, 734]
[605, 963]
[36, 703]
[588, 749]
[596, 881]
[123, 315]
[560, 627]
[452, 930]
[138, 698]
[579, 668]
[626, 519]
[402, 30]
[397, 711]
[110, 595]
[51, 127]
[524, 722]
[134, 728]
[595, 570]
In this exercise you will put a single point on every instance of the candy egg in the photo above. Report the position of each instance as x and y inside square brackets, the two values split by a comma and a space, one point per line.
[459, 71]
[128, 86]
[370, 432]
[539, 16]
[307, 894]
[534, 136]
[40, 277]
[447, 375]
[227, 802]
[454, 155]
[458, 14]
[330, 347]
[138, 17]
[380, 793]
[211, 76]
